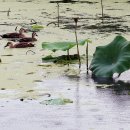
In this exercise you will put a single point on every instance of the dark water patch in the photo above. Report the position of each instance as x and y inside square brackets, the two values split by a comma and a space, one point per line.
[127, 15]
[71, 26]
[67, 1]
[114, 9]
[101, 80]
[118, 88]
[28, 1]
[63, 1]
[7, 55]
[7, 24]
[121, 88]
[108, 27]
[110, 24]
[68, 9]
[128, 1]
[88, 2]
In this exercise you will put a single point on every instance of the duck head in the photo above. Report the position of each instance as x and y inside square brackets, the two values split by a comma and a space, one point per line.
[8, 44]
[21, 30]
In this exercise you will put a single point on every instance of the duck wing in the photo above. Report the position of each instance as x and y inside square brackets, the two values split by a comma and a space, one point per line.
[11, 35]
[24, 45]
[27, 39]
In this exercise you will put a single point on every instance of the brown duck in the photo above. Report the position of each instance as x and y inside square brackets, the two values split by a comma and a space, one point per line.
[19, 45]
[15, 34]
[29, 39]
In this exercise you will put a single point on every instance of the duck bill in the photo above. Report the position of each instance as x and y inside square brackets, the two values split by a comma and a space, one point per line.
[6, 45]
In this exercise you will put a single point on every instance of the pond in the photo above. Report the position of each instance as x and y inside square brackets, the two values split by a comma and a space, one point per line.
[26, 81]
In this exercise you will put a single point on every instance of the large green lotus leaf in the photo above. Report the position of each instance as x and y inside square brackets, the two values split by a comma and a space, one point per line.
[114, 57]
[55, 46]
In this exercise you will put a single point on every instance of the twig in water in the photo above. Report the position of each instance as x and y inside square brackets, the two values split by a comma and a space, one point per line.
[30, 51]
[8, 12]
[58, 12]
[51, 23]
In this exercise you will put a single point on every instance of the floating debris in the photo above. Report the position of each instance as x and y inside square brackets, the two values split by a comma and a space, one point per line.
[30, 73]
[2, 88]
[37, 81]
[21, 99]
[57, 101]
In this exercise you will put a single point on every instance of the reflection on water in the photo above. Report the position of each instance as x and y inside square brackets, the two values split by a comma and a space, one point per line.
[93, 108]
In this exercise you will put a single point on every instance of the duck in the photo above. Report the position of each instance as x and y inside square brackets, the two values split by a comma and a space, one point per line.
[15, 34]
[29, 39]
[19, 45]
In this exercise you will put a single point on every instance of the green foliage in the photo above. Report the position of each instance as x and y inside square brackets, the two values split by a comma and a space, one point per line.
[63, 46]
[36, 27]
[57, 101]
[114, 57]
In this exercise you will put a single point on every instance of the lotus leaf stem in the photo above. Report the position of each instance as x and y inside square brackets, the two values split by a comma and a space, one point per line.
[76, 21]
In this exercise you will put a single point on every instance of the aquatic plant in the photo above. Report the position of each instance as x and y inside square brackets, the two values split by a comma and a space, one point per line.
[111, 58]
[88, 41]
[76, 21]
[8, 12]
[58, 12]
[102, 10]
[63, 46]
[57, 101]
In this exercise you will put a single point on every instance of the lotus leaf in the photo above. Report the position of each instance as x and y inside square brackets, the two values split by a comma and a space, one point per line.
[37, 27]
[57, 101]
[34, 27]
[111, 58]
[55, 46]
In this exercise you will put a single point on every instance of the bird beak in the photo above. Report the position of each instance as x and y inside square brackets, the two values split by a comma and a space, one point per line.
[5, 45]
[25, 30]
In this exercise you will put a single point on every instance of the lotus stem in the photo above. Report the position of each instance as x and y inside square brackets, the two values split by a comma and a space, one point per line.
[102, 10]
[87, 57]
[68, 53]
[76, 21]
[8, 12]
[58, 17]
